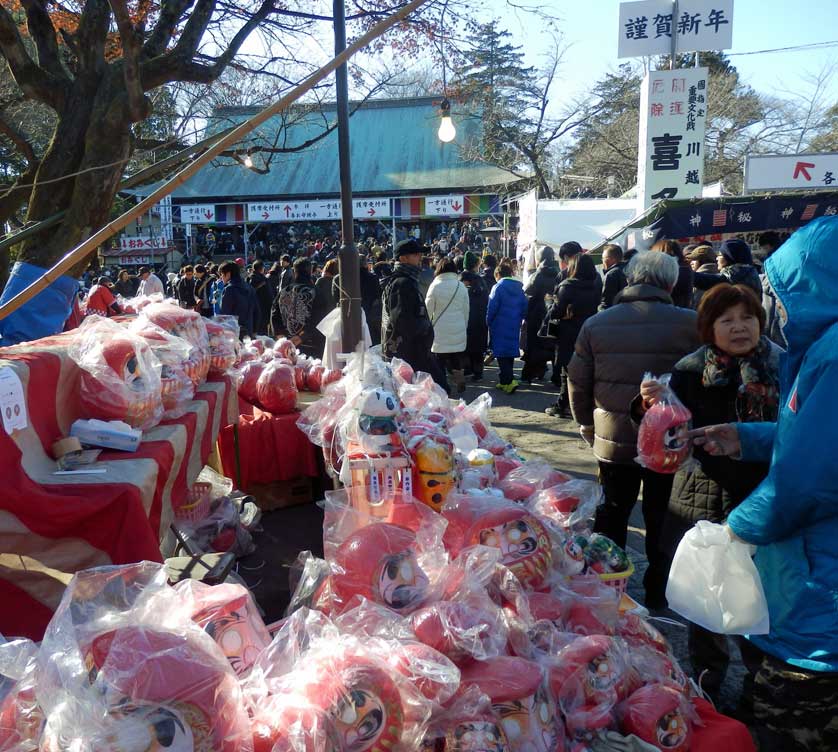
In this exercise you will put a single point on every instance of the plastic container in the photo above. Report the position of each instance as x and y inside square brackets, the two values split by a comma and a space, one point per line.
[197, 504]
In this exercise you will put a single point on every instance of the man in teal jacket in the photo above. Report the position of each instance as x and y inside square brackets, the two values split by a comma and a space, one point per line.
[792, 516]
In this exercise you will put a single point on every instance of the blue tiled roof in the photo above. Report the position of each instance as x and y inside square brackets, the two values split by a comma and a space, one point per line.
[394, 151]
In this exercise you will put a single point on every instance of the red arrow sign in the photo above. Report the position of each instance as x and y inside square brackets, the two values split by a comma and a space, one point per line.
[208, 213]
[371, 212]
[802, 168]
[265, 215]
[287, 211]
[456, 206]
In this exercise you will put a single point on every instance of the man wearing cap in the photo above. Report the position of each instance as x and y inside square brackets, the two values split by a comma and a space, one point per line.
[736, 267]
[407, 332]
[702, 259]
[150, 283]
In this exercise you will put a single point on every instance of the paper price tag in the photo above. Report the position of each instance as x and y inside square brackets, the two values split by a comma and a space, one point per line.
[12, 401]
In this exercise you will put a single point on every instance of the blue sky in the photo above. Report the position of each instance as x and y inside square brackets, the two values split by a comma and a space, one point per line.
[590, 28]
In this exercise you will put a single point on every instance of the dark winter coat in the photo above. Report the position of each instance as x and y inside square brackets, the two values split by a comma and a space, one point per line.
[506, 311]
[682, 295]
[259, 282]
[327, 295]
[709, 268]
[370, 301]
[543, 282]
[237, 299]
[407, 332]
[576, 301]
[714, 486]
[294, 314]
[126, 288]
[478, 299]
[186, 292]
[773, 330]
[642, 332]
[736, 274]
[614, 282]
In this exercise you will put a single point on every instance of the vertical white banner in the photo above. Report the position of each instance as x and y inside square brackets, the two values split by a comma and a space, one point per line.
[673, 115]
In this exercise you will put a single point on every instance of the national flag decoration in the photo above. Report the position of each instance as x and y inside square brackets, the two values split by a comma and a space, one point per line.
[719, 217]
[808, 212]
[229, 214]
[482, 204]
[408, 207]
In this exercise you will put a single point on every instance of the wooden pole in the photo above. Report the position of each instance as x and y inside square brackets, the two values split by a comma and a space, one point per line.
[78, 253]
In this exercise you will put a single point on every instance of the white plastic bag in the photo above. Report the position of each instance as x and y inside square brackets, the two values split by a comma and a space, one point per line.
[714, 583]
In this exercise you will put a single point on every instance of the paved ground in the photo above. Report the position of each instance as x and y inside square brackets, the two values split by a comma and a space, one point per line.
[520, 418]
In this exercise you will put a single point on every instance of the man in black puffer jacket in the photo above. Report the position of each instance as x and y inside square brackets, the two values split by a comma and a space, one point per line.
[406, 330]
[736, 266]
[539, 351]
[477, 330]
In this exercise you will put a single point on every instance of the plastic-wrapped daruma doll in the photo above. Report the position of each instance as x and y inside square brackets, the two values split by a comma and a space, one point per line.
[658, 715]
[357, 704]
[122, 383]
[164, 692]
[662, 443]
[433, 469]
[378, 562]
[591, 669]
[520, 699]
[522, 540]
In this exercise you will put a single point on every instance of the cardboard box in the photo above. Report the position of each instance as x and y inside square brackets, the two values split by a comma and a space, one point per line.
[281, 494]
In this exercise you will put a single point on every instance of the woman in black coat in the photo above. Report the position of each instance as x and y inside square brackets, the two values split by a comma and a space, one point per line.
[733, 377]
[478, 303]
[576, 300]
[539, 351]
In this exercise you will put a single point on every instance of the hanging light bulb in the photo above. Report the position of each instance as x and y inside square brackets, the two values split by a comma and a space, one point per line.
[248, 162]
[447, 131]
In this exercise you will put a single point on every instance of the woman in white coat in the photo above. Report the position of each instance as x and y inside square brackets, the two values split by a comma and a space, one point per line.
[447, 303]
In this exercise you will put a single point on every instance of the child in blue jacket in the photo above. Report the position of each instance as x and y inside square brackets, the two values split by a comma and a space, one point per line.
[507, 310]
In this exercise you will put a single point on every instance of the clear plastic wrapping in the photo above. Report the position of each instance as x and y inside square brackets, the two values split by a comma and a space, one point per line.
[570, 506]
[662, 442]
[522, 482]
[276, 390]
[120, 375]
[659, 715]
[223, 335]
[189, 325]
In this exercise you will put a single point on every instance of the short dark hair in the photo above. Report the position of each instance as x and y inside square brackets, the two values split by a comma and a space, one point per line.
[285, 257]
[144, 270]
[200, 268]
[258, 266]
[302, 269]
[721, 298]
[504, 269]
[188, 268]
[581, 266]
[670, 248]
[770, 238]
[444, 266]
[231, 268]
[490, 261]
[569, 249]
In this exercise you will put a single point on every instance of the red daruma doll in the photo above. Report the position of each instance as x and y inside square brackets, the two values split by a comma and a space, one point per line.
[657, 714]
[662, 442]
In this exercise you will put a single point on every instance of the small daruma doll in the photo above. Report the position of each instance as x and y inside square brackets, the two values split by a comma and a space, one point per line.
[657, 714]
[662, 441]
[433, 469]
[522, 540]
[379, 563]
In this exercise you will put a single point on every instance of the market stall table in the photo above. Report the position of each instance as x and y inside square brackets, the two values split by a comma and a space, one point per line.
[52, 525]
[270, 448]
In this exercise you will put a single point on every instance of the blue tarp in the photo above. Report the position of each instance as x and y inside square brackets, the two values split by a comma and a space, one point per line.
[42, 316]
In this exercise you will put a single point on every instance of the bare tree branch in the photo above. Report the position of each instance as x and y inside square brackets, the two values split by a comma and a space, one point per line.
[42, 32]
[32, 79]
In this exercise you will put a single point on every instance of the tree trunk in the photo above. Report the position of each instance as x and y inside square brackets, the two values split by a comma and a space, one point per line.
[92, 138]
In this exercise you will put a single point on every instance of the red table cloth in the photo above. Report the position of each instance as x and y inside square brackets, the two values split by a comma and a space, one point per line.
[271, 448]
[54, 525]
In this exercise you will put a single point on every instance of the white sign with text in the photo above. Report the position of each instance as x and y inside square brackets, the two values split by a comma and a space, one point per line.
[784, 171]
[445, 206]
[646, 27]
[673, 114]
[197, 214]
